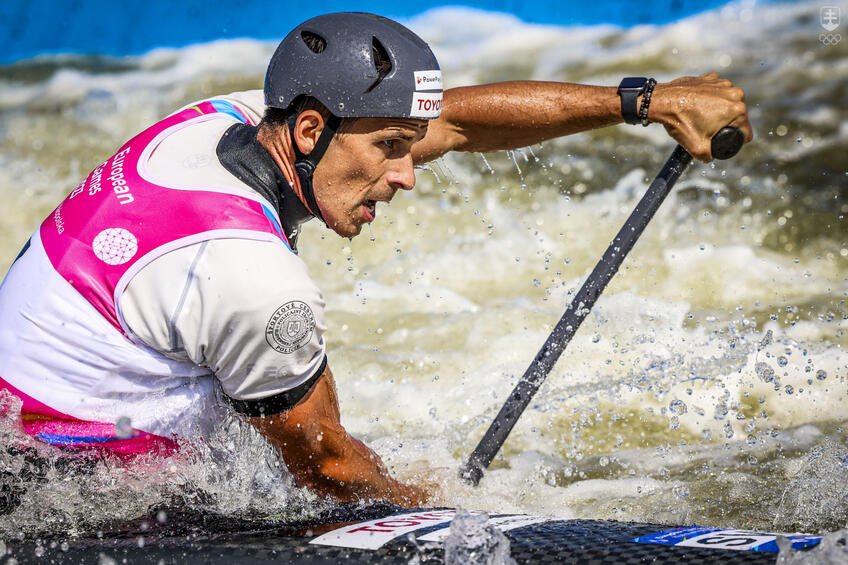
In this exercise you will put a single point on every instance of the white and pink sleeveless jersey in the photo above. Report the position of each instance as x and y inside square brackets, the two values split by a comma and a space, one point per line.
[66, 349]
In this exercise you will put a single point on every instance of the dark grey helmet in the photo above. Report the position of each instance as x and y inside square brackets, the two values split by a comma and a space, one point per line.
[359, 66]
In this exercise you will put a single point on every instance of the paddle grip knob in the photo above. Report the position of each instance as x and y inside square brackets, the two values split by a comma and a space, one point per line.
[726, 143]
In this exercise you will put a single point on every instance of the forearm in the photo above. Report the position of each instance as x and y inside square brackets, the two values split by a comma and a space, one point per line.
[323, 457]
[334, 463]
[509, 115]
[517, 114]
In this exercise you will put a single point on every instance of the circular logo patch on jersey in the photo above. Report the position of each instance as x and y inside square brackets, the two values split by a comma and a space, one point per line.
[291, 326]
[115, 246]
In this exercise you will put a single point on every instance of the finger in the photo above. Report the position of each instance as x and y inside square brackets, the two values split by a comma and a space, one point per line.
[744, 126]
[735, 93]
[702, 152]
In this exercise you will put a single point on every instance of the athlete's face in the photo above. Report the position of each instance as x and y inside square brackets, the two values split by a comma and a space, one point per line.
[366, 164]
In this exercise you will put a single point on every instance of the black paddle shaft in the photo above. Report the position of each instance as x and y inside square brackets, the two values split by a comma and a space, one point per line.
[725, 144]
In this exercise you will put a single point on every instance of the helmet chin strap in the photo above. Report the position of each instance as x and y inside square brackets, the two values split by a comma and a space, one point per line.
[305, 164]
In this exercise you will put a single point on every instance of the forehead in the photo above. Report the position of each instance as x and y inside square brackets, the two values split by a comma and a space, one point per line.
[397, 126]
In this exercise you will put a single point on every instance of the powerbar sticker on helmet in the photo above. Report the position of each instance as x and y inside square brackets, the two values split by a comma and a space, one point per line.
[426, 105]
[428, 80]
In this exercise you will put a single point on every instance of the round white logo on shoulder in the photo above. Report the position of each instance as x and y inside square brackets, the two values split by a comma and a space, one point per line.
[115, 246]
[290, 327]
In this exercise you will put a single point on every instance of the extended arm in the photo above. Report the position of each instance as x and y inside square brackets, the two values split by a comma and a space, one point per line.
[516, 114]
[325, 458]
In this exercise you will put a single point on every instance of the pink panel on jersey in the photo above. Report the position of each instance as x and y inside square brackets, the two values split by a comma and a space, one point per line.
[117, 218]
[51, 426]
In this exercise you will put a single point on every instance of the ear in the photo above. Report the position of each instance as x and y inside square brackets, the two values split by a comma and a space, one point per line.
[307, 130]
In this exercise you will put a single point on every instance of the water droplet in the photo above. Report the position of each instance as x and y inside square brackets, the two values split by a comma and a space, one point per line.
[596, 338]
[603, 461]
[673, 423]
[821, 374]
[767, 339]
[677, 406]
[789, 389]
[106, 560]
[782, 361]
[764, 371]
[123, 427]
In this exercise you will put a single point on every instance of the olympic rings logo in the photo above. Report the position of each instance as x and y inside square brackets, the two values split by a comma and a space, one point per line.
[830, 38]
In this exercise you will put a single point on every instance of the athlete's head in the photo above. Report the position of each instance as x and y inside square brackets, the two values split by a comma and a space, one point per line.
[368, 78]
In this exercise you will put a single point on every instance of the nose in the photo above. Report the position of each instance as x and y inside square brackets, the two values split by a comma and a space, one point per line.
[402, 174]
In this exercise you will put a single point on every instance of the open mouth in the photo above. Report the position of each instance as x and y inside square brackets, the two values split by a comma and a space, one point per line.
[370, 208]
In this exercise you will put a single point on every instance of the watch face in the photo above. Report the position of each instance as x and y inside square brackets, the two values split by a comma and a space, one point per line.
[633, 82]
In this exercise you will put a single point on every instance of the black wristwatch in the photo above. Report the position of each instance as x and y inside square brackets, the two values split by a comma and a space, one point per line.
[630, 88]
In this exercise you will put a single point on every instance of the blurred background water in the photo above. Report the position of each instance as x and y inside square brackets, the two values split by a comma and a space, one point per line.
[709, 383]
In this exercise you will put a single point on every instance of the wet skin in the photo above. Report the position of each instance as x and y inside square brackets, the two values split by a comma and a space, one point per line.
[366, 164]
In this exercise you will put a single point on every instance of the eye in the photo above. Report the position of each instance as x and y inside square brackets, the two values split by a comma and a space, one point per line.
[390, 143]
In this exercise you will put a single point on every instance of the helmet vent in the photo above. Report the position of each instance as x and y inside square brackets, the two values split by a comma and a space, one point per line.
[382, 62]
[315, 42]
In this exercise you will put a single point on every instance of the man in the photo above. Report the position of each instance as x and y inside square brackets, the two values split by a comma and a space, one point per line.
[165, 289]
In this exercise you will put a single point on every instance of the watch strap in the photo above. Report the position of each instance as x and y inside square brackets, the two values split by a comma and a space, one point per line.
[629, 90]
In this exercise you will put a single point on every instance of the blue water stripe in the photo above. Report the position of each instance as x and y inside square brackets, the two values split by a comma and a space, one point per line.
[276, 224]
[57, 439]
[225, 107]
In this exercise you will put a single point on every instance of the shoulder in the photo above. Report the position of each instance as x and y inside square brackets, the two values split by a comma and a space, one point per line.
[250, 102]
[261, 265]
[188, 157]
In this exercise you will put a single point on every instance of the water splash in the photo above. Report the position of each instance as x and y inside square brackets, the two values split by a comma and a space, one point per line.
[511, 155]
[442, 164]
[832, 549]
[817, 493]
[486, 162]
[46, 492]
[473, 541]
[429, 168]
